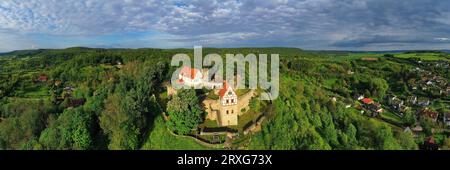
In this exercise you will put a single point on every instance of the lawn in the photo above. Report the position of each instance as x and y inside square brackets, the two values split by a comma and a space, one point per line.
[423, 56]
[161, 139]
[208, 123]
[356, 56]
[392, 117]
[35, 91]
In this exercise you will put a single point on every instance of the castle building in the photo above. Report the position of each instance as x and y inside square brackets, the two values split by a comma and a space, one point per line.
[194, 77]
[228, 113]
[190, 76]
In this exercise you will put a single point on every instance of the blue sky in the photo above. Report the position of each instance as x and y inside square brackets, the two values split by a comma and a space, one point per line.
[307, 24]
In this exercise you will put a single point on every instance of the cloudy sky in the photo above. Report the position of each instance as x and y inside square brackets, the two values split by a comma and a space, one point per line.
[307, 24]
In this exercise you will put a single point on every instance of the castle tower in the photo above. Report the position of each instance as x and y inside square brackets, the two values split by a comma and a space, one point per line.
[228, 114]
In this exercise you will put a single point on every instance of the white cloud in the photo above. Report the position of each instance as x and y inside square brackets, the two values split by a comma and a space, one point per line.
[322, 23]
[442, 39]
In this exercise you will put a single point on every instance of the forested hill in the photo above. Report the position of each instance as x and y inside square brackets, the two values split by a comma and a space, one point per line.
[92, 98]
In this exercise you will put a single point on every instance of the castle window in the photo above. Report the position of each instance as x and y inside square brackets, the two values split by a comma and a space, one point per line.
[228, 101]
[227, 111]
[232, 100]
[232, 111]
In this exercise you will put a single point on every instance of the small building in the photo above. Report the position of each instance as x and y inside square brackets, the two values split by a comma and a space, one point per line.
[411, 100]
[69, 89]
[446, 119]
[358, 96]
[396, 103]
[417, 130]
[119, 64]
[42, 78]
[57, 82]
[423, 102]
[430, 144]
[428, 113]
[367, 101]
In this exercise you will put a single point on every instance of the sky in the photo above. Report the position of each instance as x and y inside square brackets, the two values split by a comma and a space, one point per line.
[307, 24]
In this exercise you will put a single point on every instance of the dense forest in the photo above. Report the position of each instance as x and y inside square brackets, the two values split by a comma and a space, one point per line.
[87, 98]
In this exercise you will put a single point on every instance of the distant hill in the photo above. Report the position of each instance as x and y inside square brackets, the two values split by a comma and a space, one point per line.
[206, 50]
[21, 52]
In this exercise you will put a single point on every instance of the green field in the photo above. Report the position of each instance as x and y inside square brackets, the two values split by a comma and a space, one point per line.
[425, 56]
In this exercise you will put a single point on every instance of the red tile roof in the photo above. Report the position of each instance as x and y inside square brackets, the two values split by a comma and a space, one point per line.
[43, 77]
[429, 113]
[187, 71]
[181, 81]
[367, 101]
[430, 140]
[223, 90]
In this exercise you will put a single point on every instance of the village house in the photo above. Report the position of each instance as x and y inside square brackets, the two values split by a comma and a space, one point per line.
[397, 104]
[428, 113]
[69, 89]
[423, 102]
[119, 65]
[373, 107]
[42, 78]
[411, 100]
[430, 144]
[57, 82]
[367, 101]
[358, 96]
[446, 119]
[416, 130]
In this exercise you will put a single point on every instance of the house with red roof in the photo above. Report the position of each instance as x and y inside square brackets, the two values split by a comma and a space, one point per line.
[367, 101]
[428, 113]
[42, 78]
[372, 106]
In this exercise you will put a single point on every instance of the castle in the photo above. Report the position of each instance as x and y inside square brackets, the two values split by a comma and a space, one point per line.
[226, 109]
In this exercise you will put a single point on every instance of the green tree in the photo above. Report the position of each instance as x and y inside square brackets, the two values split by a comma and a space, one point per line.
[184, 111]
[121, 121]
[71, 130]
[409, 118]
[380, 87]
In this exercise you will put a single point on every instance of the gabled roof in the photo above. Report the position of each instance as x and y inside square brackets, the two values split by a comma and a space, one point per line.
[367, 101]
[42, 77]
[224, 89]
[429, 113]
[189, 72]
